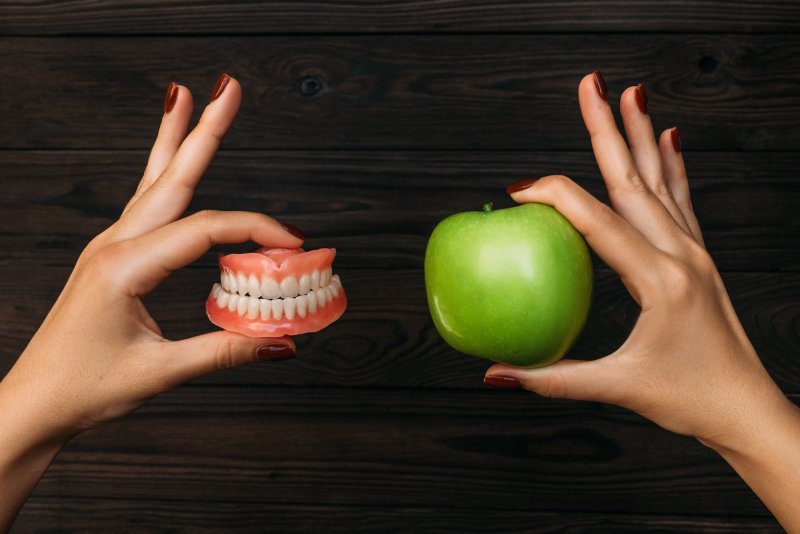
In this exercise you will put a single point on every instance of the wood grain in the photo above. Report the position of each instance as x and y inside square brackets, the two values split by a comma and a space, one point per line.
[492, 450]
[360, 16]
[387, 339]
[379, 207]
[134, 515]
[727, 92]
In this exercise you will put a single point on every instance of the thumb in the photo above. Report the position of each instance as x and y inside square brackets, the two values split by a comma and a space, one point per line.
[596, 380]
[207, 353]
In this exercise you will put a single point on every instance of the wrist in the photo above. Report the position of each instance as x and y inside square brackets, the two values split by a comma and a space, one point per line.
[765, 424]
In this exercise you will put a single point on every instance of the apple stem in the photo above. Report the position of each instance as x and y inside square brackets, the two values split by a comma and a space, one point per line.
[487, 207]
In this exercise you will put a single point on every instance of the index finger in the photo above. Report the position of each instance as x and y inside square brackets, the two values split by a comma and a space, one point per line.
[617, 243]
[150, 258]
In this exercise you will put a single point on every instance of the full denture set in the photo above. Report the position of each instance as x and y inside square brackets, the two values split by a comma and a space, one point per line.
[274, 292]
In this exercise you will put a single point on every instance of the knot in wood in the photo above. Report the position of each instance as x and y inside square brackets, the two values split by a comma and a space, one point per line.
[310, 86]
[707, 64]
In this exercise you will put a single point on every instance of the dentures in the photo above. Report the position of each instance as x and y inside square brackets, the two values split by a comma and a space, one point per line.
[276, 292]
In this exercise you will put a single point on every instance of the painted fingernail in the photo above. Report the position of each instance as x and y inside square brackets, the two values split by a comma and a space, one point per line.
[641, 98]
[171, 97]
[600, 85]
[222, 83]
[295, 231]
[519, 186]
[502, 382]
[676, 140]
[274, 352]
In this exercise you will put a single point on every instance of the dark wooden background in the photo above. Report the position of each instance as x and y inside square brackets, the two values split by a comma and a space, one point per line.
[365, 123]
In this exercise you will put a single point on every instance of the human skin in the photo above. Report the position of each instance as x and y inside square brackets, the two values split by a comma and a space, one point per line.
[688, 364]
[98, 354]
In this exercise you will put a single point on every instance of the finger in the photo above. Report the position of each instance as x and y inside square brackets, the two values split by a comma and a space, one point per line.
[174, 125]
[629, 195]
[148, 259]
[644, 150]
[167, 199]
[617, 243]
[216, 351]
[669, 145]
[596, 380]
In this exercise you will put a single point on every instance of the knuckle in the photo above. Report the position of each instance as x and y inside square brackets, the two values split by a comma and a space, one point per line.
[630, 183]
[554, 387]
[558, 184]
[661, 189]
[677, 281]
[225, 356]
[206, 218]
[104, 263]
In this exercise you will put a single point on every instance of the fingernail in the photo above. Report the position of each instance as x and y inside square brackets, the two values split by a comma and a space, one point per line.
[676, 140]
[519, 186]
[600, 85]
[295, 231]
[274, 352]
[222, 82]
[641, 98]
[171, 97]
[502, 382]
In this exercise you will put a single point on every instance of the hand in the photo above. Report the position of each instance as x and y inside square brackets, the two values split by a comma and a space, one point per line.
[99, 354]
[688, 364]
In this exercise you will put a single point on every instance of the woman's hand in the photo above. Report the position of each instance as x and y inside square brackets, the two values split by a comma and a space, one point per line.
[99, 354]
[688, 364]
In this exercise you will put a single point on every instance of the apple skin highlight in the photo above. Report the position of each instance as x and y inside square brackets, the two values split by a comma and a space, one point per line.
[512, 285]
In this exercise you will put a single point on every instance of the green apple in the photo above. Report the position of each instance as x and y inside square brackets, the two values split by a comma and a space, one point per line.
[512, 285]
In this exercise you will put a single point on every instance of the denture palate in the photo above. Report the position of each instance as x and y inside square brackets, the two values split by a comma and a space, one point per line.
[253, 295]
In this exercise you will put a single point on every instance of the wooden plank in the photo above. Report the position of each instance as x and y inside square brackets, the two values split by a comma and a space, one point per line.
[727, 92]
[132, 515]
[379, 207]
[493, 450]
[441, 16]
[387, 339]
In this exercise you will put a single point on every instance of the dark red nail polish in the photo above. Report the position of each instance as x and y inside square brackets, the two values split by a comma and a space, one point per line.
[222, 83]
[519, 186]
[171, 97]
[274, 352]
[600, 85]
[676, 140]
[502, 382]
[295, 231]
[641, 98]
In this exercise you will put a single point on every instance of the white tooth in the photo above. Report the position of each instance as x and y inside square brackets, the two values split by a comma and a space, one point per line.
[334, 288]
[215, 289]
[322, 297]
[277, 309]
[312, 302]
[253, 286]
[233, 286]
[315, 280]
[288, 308]
[223, 280]
[305, 284]
[266, 309]
[241, 283]
[241, 307]
[270, 288]
[336, 280]
[301, 303]
[289, 286]
[233, 302]
[252, 308]
[222, 299]
[325, 278]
